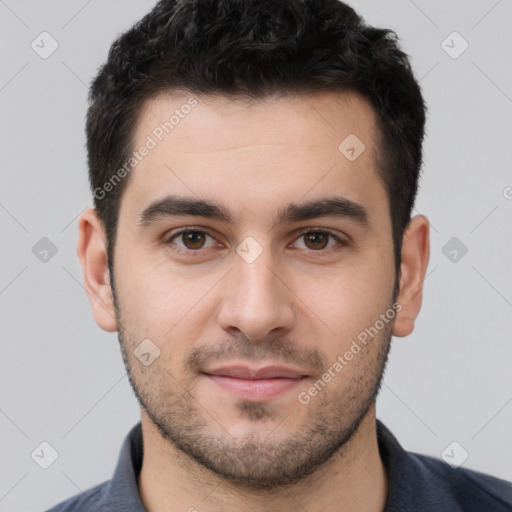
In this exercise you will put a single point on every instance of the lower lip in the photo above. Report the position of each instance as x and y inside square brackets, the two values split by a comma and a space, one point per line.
[255, 389]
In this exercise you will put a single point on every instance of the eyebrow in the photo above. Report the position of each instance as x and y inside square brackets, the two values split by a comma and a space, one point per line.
[177, 206]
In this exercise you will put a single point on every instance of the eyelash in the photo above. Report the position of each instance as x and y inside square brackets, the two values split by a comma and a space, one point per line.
[198, 252]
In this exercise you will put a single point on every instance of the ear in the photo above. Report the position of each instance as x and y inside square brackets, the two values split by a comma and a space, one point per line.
[415, 256]
[92, 252]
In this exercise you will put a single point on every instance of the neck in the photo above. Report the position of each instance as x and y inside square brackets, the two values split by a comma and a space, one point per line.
[353, 480]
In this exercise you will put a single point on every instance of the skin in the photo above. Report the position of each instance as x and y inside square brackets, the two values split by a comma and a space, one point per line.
[298, 304]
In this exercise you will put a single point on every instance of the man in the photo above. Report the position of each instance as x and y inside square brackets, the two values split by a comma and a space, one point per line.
[254, 165]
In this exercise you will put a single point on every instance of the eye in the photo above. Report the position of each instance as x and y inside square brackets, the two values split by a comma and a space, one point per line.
[317, 240]
[191, 240]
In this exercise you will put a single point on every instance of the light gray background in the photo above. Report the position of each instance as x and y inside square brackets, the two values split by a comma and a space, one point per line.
[62, 378]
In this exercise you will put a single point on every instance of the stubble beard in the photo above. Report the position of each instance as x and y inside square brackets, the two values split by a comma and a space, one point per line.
[259, 461]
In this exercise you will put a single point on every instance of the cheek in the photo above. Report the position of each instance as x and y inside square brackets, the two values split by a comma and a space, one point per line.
[147, 300]
[164, 304]
[347, 300]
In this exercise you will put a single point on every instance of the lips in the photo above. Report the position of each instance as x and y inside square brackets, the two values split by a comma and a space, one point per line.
[253, 384]
[268, 372]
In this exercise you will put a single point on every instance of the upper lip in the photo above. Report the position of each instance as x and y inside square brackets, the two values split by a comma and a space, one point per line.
[267, 372]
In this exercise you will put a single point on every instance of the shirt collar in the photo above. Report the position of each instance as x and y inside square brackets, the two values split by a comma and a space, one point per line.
[410, 483]
[122, 492]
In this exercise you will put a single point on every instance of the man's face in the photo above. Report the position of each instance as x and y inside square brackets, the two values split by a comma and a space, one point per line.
[233, 298]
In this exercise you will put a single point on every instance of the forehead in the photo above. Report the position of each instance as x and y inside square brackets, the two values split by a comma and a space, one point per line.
[320, 118]
[246, 150]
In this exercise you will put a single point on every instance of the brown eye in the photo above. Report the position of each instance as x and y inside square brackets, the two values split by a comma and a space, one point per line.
[316, 240]
[190, 240]
[193, 239]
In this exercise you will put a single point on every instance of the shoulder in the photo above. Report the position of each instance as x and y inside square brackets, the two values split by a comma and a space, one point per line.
[120, 493]
[470, 489]
[90, 500]
[425, 483]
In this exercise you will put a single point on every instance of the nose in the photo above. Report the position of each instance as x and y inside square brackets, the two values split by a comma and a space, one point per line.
[257, 300]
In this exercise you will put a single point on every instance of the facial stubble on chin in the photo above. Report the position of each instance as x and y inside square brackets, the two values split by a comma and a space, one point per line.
[256, 462]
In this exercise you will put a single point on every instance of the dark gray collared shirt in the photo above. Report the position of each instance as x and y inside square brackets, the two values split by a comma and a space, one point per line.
[416, 483]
